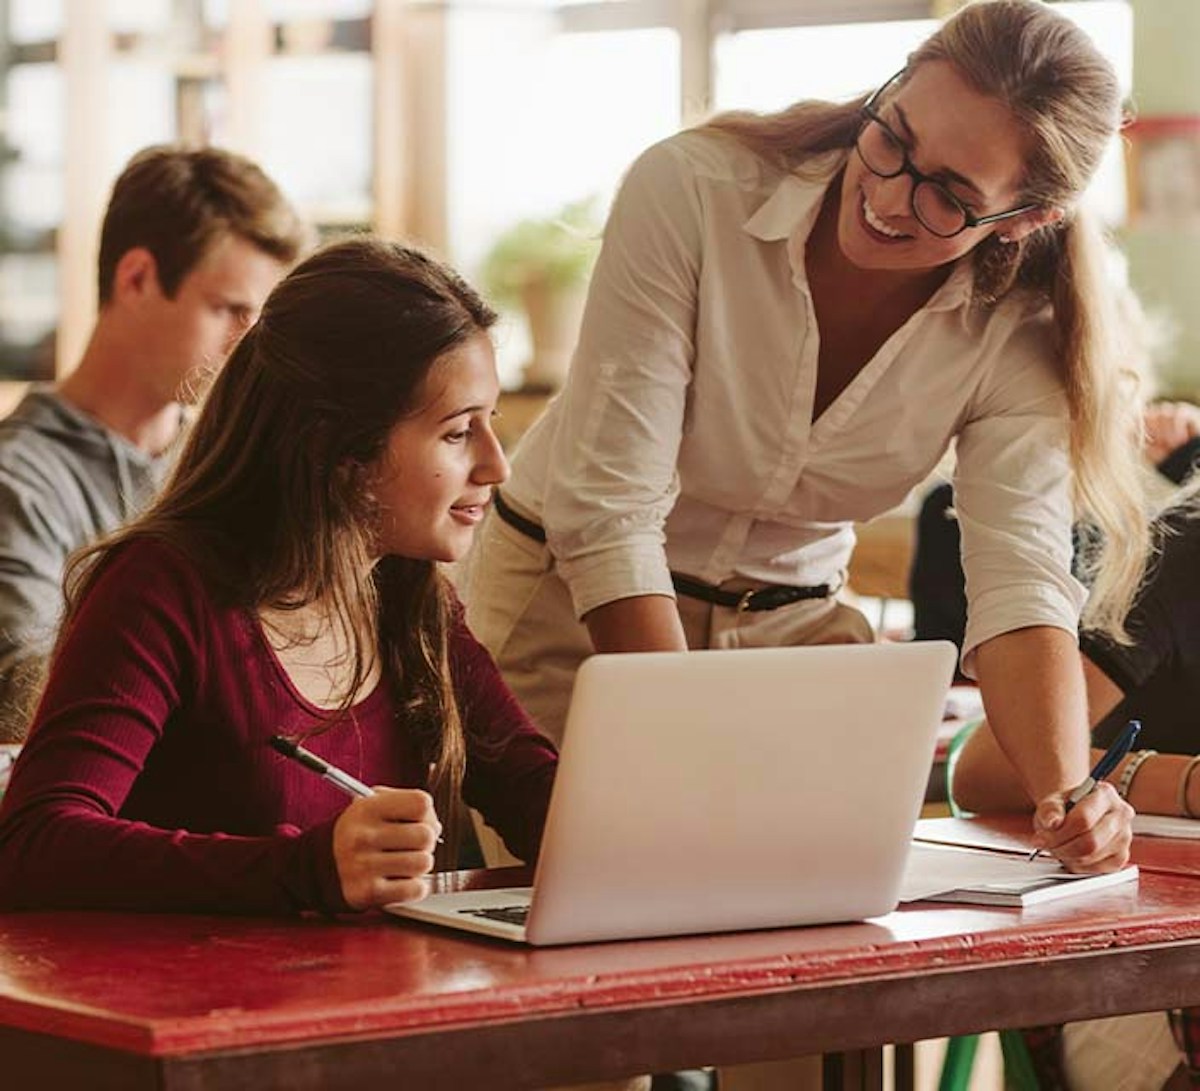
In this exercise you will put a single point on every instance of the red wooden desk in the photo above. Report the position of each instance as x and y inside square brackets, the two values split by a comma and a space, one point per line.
[97, 1000]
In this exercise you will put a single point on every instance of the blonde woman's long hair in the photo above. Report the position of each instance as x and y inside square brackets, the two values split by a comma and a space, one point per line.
[1065, 96]
[271, 501]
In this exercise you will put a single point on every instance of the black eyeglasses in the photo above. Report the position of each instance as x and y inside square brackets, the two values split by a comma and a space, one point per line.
[937, 210]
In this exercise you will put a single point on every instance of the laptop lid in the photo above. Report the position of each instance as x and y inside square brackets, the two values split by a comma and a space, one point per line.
[731, 789]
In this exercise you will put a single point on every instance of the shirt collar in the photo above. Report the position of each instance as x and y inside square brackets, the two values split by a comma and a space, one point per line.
[791, 210]
[797, 198]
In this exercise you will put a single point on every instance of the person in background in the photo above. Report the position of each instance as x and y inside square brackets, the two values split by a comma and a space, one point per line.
[791, 318]
[287, 582]
[192, 242]
[935, 585]
[1156, 680]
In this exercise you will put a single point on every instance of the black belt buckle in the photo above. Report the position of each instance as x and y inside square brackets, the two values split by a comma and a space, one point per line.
[771, 598]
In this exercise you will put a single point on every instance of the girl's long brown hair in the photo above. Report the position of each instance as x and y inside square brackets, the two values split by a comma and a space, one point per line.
[1065, 96]
[270, 501]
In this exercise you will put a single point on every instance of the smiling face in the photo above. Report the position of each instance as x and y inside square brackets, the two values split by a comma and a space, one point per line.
[963, 139]
[434, 480]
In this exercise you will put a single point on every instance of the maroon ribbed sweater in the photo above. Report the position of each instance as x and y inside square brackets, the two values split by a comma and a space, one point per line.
[147, 781]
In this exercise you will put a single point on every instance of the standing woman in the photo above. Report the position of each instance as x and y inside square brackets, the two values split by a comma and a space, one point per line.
[792, 317]
[287, 582]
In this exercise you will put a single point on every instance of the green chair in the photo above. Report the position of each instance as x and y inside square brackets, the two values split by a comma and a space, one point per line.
[960, 1051]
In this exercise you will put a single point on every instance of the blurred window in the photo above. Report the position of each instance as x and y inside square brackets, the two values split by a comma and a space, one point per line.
[316, 134]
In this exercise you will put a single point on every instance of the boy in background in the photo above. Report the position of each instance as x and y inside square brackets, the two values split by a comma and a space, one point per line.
[193, 240]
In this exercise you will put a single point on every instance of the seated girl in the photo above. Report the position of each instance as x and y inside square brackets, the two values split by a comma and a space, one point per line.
[287, 583]
[1156, 680]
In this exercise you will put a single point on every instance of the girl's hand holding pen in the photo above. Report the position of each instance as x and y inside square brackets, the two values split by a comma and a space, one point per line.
[1093, 836]
[383, 843]
[383, 847]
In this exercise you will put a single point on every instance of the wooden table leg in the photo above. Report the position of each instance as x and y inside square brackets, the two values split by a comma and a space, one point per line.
[854, 1070]
[904, 1067]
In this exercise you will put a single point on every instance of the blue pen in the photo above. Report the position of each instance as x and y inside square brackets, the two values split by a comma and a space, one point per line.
[1107, 763]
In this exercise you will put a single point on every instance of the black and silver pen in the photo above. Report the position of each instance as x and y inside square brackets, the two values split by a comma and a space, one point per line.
[339, 778]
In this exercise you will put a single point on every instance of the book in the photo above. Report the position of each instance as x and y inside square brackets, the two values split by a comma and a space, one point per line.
[1162, 825]
[944, 873]
[1034, 891]
[1008, 833]
[1012, 834]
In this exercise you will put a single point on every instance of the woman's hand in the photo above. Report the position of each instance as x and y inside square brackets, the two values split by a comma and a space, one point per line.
[1094, 836]
[383, 847]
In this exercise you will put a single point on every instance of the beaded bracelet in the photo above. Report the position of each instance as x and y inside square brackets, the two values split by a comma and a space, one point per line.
[1130, 770]
[1185, 779]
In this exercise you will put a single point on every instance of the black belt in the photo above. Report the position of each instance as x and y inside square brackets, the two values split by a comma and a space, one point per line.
[765, 598]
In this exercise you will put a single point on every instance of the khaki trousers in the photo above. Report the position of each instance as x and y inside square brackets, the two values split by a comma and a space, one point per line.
[520, 609]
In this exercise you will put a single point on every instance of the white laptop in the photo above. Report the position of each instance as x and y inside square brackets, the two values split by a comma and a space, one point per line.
[712, 791]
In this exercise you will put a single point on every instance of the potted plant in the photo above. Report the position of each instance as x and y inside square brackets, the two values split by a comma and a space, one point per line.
[542, 266]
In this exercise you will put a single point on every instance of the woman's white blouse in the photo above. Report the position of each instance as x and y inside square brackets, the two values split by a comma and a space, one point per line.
[684, 439]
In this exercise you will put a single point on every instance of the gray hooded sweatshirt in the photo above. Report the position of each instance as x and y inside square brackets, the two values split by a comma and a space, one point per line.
[65, 480]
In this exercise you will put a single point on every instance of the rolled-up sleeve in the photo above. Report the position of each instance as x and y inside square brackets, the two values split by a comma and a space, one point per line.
[614, 454]
[1013, 496]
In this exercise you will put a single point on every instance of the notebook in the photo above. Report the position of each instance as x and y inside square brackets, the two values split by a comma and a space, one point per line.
[948, 873]
[713, 791]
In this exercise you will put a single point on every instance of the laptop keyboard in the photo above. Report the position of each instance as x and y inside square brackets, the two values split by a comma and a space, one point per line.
[506, 914]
